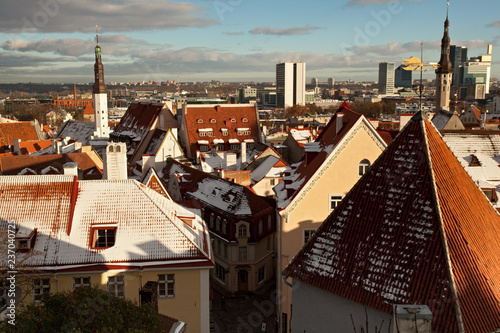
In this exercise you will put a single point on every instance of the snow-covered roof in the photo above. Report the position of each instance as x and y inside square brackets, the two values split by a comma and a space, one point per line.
[80, 131]
[302, 134]
[149, 227]
[234, 141]
[266, 168]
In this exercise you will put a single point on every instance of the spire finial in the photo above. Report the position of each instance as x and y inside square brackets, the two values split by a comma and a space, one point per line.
[447, 8]
[97, 33]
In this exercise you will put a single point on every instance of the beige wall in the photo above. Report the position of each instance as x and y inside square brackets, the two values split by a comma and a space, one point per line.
[190, 304]
[264, 187]
[314, 207]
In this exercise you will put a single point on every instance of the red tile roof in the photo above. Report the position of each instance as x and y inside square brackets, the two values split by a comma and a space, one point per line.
[33, 146]
[89, 110]
[15, 164]
[476, 112]
[413, 230]
[23, 130]
[217, 118]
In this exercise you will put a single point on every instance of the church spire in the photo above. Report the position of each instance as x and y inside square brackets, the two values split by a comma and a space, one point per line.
[444, 71]
[445, 65]
[99, 86]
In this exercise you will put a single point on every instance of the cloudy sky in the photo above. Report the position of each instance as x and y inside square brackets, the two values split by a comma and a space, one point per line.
[231, 40]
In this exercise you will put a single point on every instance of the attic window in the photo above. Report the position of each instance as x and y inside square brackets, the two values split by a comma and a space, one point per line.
[103, 237]
[213, 120]
[474, 161]
[26, 243]
[245, 120]
[233, 120]
[200, 121]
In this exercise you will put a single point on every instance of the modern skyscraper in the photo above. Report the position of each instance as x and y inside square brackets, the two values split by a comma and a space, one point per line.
[100, 94]
[290, 83]
[444, 72]
[402, 77]
[314, 82]
[458, 58]
[386, 78]
[331, 82]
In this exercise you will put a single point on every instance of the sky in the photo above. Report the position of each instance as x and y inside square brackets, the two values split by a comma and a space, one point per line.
[53, 41]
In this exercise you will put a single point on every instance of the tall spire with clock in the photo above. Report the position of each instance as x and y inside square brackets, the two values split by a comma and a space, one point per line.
[444, 72]
[100, 94]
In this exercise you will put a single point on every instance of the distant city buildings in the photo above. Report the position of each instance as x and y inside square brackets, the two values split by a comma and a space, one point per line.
[331, 82]
[458, 57]
[314, 82]
[402, 78]
[290, 83]
[386, 78]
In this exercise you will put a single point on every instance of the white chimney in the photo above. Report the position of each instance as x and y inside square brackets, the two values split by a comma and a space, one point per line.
[412, 318]
[243, 153]
[340, 122]
[230, 162]
[71, 169]
[115, 161]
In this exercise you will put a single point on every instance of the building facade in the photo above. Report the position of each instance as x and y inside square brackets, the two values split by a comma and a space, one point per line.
[386, 78]
[290, 83]
[402, 78]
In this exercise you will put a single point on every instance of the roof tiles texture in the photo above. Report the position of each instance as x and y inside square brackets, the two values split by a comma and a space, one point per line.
[80, 131]
[23, 130]
[148, 230]
[412, 230]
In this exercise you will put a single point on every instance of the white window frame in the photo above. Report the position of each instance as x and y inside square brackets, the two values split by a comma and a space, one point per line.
[40, 286]
[167, 282]
[337, 198]
[80, 282]
[242, 231]
[114, 284]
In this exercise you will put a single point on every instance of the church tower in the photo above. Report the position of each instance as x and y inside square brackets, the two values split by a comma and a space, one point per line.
[100, 94]
[444, 72]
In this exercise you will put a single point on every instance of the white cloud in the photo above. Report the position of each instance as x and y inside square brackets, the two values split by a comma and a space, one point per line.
[282, 31]
[27, 16]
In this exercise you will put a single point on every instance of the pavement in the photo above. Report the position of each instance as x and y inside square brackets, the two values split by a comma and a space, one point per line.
[244, 313]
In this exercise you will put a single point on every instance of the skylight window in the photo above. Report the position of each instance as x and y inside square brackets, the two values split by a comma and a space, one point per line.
[103, 237]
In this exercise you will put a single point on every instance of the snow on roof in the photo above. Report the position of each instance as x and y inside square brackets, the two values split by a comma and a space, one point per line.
[203, 142]
[148, 229]
[234, 141]
[301, 134]
[441, 119]
[205, 130]
[264, 168]
[216, 141]
[80, 131]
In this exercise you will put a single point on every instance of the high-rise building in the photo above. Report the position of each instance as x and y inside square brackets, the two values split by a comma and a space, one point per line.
[314, 82]
[458, 58]
[331, 83]
[246, 94]
[444, 72]
[477, 70]
[290, 83]
[386, 78]
[402, 78]
[100, 95]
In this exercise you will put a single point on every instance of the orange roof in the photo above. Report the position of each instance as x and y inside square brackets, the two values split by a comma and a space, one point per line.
[23, 130]
[29, 147]
[413, 230]
[476, 111]
[89, 110]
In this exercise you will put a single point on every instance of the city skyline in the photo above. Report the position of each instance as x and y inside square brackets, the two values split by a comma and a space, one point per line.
[230, 40]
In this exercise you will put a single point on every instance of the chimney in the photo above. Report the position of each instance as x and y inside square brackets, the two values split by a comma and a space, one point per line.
[412, 318]
[71, 169]
[17, 148]
[230, 161]
[115, 161]
[489, 49]
[340, 122]
[74, 92]
[243, 153]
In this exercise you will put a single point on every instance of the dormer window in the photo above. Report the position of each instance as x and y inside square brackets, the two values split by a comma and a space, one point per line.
[474, 161]
[103, 237]
[25, 242]
[200, 121]
[242, 231]
[245, 120]
[233, 120]
[213, 120]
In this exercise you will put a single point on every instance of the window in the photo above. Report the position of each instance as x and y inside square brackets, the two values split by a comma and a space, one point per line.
[244, 132]
[308, 234]
[166, 285]
[242, 231]
[203, 148]
[220, 272]
[116, 285]
[210, 134]
[200, 121]
[81, 282]
[224, 226]
[242, 253]
[213, 120]
[261, 226]
[233, 120]
[235, 147]
[219, 147]
[40, 286]
[203, 133]
[245, 120]
[217, 223]
[364, 165]
[212, 219]
[335, 200]
[225, 133]
[103, 237]
[272, 182]
[261, 274]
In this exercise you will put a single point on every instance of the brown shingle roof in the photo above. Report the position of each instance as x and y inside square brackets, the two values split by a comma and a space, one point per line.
[412, 230]
[23, 130]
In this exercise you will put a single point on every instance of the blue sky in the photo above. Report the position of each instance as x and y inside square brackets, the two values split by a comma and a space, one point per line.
[231, 40]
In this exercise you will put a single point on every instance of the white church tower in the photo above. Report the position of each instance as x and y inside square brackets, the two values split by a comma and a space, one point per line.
[100, 94]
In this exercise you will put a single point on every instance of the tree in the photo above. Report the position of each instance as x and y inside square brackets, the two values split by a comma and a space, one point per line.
[314, 109]
[85, 310]
[297, 110]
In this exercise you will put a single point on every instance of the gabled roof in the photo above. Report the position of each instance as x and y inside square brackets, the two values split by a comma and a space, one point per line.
[138, 119]
[155, 142]
[23, 130]
[80, 131]
[219, 118]
[324, 148]
[14, 165]
[414, 230]
[65, 212]
[442, 118]
[476, 112]
[31, 147]
[89, 110]
[152, 181]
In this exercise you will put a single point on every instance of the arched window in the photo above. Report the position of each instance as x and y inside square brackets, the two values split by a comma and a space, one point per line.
[213, 120]
[212, 220]
[242, 231]
[200, 121]
[364, 165]
[110, 149]
[118, 149]
[224, 226]
[217, 223]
